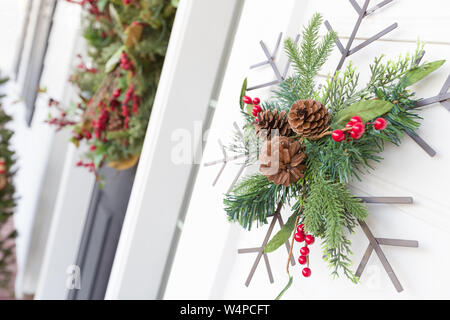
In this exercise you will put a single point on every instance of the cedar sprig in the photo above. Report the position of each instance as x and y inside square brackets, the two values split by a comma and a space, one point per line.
[340, 91]
[255, 198]
[331, 213]
[310, 57]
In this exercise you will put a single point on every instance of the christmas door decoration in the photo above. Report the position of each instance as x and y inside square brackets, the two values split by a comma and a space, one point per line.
[7, 200]
[117, 82]
[309, 141]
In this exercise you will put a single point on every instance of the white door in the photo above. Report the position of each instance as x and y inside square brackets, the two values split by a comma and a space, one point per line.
[206, 263]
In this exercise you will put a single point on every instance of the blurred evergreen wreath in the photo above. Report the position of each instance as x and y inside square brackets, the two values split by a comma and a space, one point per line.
[127, 42]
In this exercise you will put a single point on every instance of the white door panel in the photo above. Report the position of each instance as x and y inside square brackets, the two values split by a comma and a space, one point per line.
[207, 265]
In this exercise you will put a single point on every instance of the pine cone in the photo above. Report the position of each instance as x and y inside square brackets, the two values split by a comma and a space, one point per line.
[272, 119]
[308, 118]
[114, 123]
[282, 160]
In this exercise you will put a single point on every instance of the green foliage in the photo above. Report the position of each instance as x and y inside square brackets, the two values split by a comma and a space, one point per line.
[418, 73]
[255, 198]
[366, 109]
[331, 212]
[243, 91]
[289, 284]
[142, 30]
[308, 59]
[283, 235]
[7, 199]
[340, 92]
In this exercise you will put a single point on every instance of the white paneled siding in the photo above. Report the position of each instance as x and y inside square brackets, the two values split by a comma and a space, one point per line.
[207, 265]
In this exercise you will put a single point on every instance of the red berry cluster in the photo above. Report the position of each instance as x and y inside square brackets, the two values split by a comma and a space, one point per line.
[89, 165]
[126, 2]
[357, 128]
[93, 9]
[99, 125]
[255, 103]
[59, 122]
[125, 62]
[83, 67]
[2, 166]
[129, 96]
[309, 239]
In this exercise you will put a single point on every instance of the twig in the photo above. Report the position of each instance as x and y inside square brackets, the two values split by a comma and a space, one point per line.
[292, 246]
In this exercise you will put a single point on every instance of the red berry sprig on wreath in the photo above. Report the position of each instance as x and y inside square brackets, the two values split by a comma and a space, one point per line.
[303, 259]
[255, 103]
[357, 128]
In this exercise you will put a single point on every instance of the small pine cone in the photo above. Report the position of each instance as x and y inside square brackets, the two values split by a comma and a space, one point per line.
[115, 123]
[282, 160]
[272, 119]
[308, 118]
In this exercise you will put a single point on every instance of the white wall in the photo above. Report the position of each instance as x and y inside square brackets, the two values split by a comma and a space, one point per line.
[11, 15]
[206, 263]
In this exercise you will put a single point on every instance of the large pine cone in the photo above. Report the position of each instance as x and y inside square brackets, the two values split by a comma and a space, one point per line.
[282, 160]
[272, 119]
[308, 118]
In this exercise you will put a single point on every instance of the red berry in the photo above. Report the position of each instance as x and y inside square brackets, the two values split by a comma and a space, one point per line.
[299, 237]
[254, 113]
[356, 119]
[79, 163]
[126, 2]
[117, 93]
[380, 124]
[302, 260]
[338, 135]
[349, 125]
[256, 101]
[304, 251]
[306, 272]
[309, 239]
[359, 128]
[247, 99]
[356, 135]
[301, 228]
[257, 108]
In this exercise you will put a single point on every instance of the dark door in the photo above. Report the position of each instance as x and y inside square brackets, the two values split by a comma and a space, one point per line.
[101, 233]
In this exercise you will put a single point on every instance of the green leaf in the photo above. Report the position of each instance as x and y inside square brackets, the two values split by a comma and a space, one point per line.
[114, 60]
[285, 288]
[416, 74]
[243, 91]
[282, 236]
[366, 109]
[249, 109]
[116, 17]
[101, 4]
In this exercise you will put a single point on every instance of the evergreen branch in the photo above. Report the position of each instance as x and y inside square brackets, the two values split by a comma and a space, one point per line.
[324, 50]
[310, 57]
[255, 198]
[341, 91]
[330, 212]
